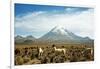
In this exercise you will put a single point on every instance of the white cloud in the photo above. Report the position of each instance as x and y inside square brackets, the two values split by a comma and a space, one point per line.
[40, 23]
[71, 9]
[68, 9]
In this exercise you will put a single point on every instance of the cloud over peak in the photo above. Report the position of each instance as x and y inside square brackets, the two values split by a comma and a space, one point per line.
[40, 22]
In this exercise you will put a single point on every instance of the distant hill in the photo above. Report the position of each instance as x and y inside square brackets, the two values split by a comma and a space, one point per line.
[24, 40]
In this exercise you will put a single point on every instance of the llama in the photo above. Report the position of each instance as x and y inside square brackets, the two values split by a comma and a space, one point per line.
[91, 50]
[40, 51]
[60, 50]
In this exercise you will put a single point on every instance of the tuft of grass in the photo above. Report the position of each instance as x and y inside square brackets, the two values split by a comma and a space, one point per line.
[19, 60]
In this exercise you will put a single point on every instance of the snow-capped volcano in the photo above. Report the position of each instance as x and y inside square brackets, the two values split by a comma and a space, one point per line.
[59, 30]
[59, 33]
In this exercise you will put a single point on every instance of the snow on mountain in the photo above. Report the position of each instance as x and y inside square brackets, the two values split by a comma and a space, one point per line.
[59, 30]
[56, 35]
[59, 33]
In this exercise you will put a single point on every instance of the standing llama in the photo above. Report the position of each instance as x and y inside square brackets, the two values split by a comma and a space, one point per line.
[59, 50]
[40, 50]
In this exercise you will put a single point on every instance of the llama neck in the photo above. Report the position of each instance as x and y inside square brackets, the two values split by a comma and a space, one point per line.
[55, 48]
[40, 49]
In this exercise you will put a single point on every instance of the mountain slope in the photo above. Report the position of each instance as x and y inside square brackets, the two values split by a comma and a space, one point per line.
[28, 39]
[60, 34]
[56, 35]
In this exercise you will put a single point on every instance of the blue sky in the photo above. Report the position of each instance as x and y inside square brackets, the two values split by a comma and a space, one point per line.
[21, 9]
[37, 20]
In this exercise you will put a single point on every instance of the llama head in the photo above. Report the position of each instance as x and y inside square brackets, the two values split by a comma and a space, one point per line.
[53, 45]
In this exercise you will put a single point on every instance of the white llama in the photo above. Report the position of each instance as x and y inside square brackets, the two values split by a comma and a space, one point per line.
[60, 50]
